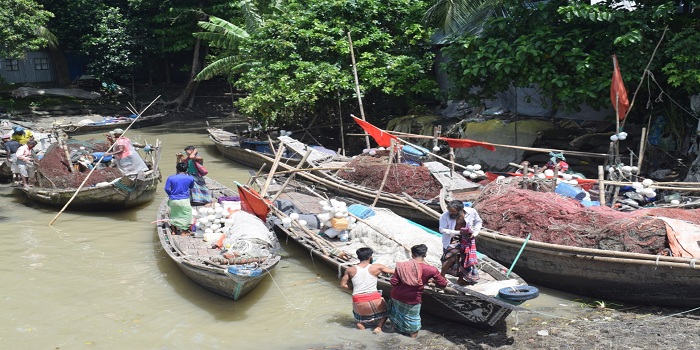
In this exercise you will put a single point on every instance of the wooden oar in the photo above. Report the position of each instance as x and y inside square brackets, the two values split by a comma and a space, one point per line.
[138, 115]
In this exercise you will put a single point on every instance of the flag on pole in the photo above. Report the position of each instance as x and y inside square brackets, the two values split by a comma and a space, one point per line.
[382, 137]
[618, 93]
[465, 143]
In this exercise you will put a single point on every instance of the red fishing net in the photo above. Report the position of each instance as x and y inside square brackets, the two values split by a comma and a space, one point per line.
[414, 180]
[552, 218]
[53, 170]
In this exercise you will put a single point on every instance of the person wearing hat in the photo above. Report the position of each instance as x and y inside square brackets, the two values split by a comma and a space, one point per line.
[11, 147]
[128, 161]
[21, 135]
[200, 194]
[557, 159]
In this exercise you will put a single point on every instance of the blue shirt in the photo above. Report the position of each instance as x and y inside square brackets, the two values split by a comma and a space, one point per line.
[178, 186]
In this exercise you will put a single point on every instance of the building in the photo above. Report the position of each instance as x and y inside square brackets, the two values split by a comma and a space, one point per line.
[36, 67]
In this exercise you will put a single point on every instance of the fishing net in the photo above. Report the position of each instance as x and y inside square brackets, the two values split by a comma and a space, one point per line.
[414, 180]
[53, 169]
[388, 234]
[551, 218]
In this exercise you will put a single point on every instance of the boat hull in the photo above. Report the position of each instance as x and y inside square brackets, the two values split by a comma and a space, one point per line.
[608, 275]
[141, 122]
[191, 253]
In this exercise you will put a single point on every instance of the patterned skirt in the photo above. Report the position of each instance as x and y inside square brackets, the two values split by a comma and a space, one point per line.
[368, 308]
[405, 317]
[200, 193]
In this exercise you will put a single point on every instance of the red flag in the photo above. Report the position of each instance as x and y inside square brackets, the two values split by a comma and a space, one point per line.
[253, 203]
[465, 143]
[382, 137]
[618, 93]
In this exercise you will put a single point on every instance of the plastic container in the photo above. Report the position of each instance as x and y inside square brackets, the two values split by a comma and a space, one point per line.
[361, 211]
[570, 191]
[344, 236]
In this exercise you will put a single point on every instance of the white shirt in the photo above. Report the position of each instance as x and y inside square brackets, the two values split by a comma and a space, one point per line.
[447, 225]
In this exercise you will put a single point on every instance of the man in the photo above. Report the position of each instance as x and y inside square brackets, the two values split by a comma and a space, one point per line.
[11, 147]
[178, 188]
[128, 161]
[21, 135]
[25, 162]
[459, 227]
[368, 306]
[407, 292]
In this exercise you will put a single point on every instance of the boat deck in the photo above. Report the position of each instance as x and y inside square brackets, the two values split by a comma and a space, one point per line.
[450, 180]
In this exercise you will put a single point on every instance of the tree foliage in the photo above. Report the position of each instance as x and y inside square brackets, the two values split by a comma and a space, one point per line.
[561, 47]
[300, 57]
[111, 48]
[22, 27]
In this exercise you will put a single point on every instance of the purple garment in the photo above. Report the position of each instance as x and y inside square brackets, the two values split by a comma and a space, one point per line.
[178, 186]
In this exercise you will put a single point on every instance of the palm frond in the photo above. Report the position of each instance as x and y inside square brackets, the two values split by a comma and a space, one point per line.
[251, 14]
[221, 66]
[45, 33]
[455, 17]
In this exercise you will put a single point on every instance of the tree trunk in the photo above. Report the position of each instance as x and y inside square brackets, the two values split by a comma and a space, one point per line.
[192, 85]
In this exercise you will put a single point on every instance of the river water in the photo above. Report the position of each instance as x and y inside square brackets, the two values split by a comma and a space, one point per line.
[101, 280]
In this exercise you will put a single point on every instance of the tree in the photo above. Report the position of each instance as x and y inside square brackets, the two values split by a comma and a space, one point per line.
[561, 47]
[300, 59]
[111, 50]
[22, 27]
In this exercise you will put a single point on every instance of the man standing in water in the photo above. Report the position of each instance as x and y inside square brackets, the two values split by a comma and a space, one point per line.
[408, 283]
[368, 306]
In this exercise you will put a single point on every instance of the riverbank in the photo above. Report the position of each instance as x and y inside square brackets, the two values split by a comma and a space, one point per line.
[595, 328]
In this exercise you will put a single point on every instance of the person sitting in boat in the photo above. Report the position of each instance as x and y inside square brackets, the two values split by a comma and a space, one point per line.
[368, 306]
[11, 147]
[178, 188]
[200, 193]
[25, 162]
[128, 161]
[21, 135]
[557, 160]
[459, 226]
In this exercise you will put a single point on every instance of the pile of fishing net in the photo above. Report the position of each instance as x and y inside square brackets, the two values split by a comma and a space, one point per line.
[391, 237]
[53, 170]
[551, 218]
[414, 180]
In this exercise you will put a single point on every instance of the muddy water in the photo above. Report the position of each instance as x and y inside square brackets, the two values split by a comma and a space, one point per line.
[101, 280]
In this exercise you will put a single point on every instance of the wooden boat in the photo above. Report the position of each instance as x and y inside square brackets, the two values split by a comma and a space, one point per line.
[118, 192]
[111, 123]
[467, 305]
[203, 264]
[454, 185]
[602, 274]
[245, 150]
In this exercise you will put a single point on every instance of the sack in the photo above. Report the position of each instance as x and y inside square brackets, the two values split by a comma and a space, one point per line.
[201, 169]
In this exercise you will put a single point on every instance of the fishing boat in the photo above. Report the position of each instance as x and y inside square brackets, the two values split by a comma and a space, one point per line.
[43, 141]
[106, 188]
[481, 305]
[110, 123]
[214, 270]
[452, 185]
[602, 274]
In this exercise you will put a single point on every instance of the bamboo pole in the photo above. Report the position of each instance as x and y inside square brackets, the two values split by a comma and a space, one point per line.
[257, 174]
[65, 150]
[138, 115]
[297, 170]
[357, 84]
[642, 143]
[420, 206]
[534, 149]
[386, 173]
[271, 174]
[601, 184]
[291, 176]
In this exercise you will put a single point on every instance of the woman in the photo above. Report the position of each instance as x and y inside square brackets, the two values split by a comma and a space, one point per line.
[178, 188]
[200, 193]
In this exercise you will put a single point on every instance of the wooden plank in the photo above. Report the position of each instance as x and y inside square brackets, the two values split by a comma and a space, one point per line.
[301, 148]
[450, 180]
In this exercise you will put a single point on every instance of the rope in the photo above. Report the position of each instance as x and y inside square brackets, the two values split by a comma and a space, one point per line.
[280, 290]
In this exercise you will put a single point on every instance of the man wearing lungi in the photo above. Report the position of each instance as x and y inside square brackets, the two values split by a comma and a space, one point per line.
[407, 292]
[459, 227]
[368, 306]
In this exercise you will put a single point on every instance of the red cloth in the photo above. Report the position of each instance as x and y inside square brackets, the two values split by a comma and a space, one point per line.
[414, 294]
[466, 143]
[382, 137]
[618, 93]
[361, 298]
[253, 203]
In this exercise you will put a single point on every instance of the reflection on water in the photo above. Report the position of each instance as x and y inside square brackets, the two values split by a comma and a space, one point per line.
[101, 279]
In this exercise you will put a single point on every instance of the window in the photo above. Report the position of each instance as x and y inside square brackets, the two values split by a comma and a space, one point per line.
[11, 65]
[41, 63]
